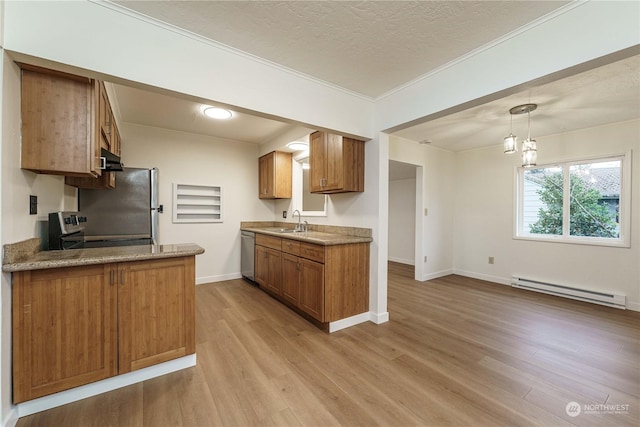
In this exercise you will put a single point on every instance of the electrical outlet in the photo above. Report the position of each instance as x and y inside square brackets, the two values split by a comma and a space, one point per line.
[284, 214]
[33, 205]
[490, 260]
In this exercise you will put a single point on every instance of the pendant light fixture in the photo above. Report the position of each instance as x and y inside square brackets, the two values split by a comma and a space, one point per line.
[529, 148]
[511, 141]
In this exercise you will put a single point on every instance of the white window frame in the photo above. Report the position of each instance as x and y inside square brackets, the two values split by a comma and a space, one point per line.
[624, 213]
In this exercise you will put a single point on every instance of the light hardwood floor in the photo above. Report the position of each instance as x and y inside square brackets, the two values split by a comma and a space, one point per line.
[457, 352]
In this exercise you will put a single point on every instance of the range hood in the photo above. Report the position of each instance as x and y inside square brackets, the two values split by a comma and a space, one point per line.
[110, 162]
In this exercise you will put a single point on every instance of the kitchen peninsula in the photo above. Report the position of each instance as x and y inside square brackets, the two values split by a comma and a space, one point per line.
[322, 273]
[84, 315]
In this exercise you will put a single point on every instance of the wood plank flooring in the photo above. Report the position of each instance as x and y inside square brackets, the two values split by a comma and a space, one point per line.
[457, 352]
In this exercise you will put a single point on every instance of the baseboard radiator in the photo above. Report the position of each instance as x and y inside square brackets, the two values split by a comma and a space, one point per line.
[602, 298]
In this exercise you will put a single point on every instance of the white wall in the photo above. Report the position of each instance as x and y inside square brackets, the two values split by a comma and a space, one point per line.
[484, 203]
[187, 158]
[402, 220]
[102, 38]
[17, 224]
[498, 66]
[438, 189]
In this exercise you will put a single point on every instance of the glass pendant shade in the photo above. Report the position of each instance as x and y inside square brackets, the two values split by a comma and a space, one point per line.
[510, 144]
[529, 153]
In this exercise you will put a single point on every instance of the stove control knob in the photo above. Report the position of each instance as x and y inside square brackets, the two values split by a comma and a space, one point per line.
[67, 220]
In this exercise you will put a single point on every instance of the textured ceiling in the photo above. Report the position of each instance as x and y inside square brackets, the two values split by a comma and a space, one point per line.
[603, 95]
[163, 111]
[373, 47]
[369, 47]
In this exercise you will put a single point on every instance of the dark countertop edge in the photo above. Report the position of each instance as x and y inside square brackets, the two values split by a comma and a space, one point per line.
[333, 239]
[49, 261]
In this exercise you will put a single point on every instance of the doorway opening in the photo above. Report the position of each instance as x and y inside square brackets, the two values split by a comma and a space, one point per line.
[405, 221]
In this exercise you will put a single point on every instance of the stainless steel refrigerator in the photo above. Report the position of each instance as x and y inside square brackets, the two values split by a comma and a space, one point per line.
[125, 215]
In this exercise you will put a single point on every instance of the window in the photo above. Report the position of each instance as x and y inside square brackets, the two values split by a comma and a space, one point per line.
[584, 201]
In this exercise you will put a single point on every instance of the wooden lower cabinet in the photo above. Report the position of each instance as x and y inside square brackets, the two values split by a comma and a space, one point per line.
[328, 283]
[268, 263]
[312, 288]
[156, 312]
[64, 329]
[269, 269]
[73, 326]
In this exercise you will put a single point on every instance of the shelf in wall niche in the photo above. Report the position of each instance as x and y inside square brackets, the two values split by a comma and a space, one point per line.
[197, 203]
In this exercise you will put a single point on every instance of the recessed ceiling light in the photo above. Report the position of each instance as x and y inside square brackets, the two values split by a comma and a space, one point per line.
[217, 113]
[298, 145]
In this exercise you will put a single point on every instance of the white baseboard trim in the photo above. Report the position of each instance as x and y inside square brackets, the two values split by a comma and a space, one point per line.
[103, 386]
[480, 276]
[218, 278]
[437, 274]
[349, 321]
[11, 418]
[379, 318]
[631, 305]
[357, 319]
[402, 260]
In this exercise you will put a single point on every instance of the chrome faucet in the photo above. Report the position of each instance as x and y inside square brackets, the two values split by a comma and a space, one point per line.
[298, 226]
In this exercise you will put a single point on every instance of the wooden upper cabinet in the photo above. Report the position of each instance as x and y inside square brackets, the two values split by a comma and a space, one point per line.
[106, 180]
[109, 135]
[66, 121]
[58, 123]
[275, 175]
[336, 163]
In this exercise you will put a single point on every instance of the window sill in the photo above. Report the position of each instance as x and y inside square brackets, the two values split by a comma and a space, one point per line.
[612, 243]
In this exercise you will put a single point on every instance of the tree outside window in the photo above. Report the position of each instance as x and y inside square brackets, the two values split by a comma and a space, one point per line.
[580, 200]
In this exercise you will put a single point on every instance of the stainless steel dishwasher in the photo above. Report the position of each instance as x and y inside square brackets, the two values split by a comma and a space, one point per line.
[247, 249]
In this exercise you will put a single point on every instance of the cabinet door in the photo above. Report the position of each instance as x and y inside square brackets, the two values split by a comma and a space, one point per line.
[64, 329]
[106, 118]
[106, 180]
[312, 288]
[266, 176]
[261, 266]
[334, 160]
[115, 139]
[317, 162]
[57, 112]
[156, 316]
[290, 279]
[274, 277]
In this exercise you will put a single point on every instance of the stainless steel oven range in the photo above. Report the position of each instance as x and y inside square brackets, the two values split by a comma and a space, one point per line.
[66, 230]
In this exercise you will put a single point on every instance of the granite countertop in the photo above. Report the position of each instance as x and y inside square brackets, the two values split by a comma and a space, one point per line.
[25, 255]
[317, 234]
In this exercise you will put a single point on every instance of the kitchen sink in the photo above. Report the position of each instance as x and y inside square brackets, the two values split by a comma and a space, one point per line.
[282, 230]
